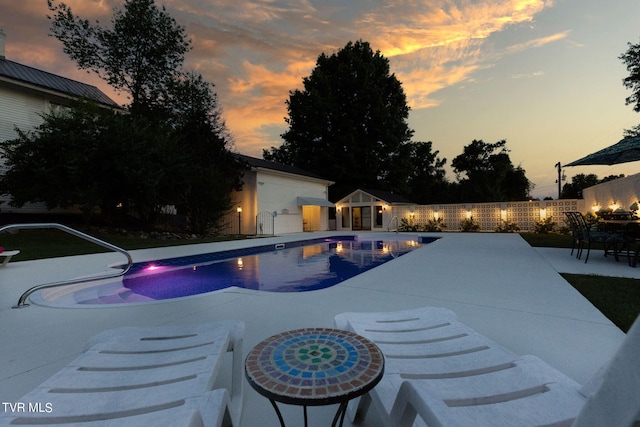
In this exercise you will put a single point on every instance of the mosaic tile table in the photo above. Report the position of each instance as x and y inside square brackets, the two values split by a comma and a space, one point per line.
[314, 366]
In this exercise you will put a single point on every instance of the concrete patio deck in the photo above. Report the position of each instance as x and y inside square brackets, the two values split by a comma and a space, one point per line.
[496, 283]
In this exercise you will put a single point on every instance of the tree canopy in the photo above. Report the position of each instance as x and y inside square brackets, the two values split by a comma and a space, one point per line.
[142, 52]
[426, 181]
[485, 173]
[169, 148]
[349, 123]
[632, 59]
[573, 189]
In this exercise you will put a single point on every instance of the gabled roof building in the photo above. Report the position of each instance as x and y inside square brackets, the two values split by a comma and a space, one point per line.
[277, 199]
[367, 209]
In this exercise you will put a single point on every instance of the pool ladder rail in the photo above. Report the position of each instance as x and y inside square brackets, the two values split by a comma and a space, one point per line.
[16, 227]
[394, 220]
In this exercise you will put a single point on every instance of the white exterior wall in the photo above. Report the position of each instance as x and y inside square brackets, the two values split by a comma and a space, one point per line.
[623, 192]
[19, 109]
[247, 200]
[278, 192]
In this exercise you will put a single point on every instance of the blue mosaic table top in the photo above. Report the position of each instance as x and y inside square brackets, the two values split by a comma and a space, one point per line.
[314, 366]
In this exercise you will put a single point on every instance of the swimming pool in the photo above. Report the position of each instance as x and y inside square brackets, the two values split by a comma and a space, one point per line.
[300, 266]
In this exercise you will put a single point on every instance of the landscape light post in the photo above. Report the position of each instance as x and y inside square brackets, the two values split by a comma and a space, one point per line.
[239, 210]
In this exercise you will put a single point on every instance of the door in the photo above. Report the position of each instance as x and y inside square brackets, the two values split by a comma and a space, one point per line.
[361, 218]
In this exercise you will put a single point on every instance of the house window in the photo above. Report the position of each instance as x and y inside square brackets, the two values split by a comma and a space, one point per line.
[59, 109]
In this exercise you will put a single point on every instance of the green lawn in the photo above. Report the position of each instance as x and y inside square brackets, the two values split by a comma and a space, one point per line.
[50, 243]
[617, 298]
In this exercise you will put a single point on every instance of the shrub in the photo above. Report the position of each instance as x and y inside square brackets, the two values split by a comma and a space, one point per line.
[407, 225]
[544, 226]
[469, 225]
[591, 218]
[435, 224]
[507, 227]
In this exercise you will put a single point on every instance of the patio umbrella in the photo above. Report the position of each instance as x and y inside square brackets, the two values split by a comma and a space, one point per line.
[626, 150]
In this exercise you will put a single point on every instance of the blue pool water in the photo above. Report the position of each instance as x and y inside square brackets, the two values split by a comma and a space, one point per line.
[294, 267]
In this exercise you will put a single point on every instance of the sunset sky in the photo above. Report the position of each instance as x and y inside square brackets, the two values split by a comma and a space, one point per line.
[542, 74]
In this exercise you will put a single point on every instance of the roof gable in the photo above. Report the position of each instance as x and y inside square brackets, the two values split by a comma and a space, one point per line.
[384, 196]
[43, 79]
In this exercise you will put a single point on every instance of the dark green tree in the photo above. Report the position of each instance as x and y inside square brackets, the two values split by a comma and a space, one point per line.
[92, 158]
[349, 123]
[51, 163]
[632, 60]
[171, 146]
[141, 54]
[573, 189]
[485, 173]
[426, 181]
[208, 172]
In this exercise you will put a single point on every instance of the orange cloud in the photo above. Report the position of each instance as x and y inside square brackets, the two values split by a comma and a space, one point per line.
[257, 100]
[256, 52]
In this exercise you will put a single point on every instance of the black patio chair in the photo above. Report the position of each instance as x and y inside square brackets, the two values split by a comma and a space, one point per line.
[613, 241]
[575, 233]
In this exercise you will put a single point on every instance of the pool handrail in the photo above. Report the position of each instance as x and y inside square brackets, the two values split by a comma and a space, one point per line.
[394, 218]
[25, 295]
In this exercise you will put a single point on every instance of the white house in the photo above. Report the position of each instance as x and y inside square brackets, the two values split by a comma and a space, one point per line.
[25, 94]
[278, 199]
[367, 210]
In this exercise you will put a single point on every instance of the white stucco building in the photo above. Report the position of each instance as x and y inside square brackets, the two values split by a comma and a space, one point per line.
[278, 199]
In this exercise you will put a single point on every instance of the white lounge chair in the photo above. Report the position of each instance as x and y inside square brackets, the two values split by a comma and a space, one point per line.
[145, 376]
[447, 374]
[7, 256]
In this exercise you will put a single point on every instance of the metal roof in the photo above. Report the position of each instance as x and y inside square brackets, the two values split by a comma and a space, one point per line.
[266, 164]
[23, 73]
